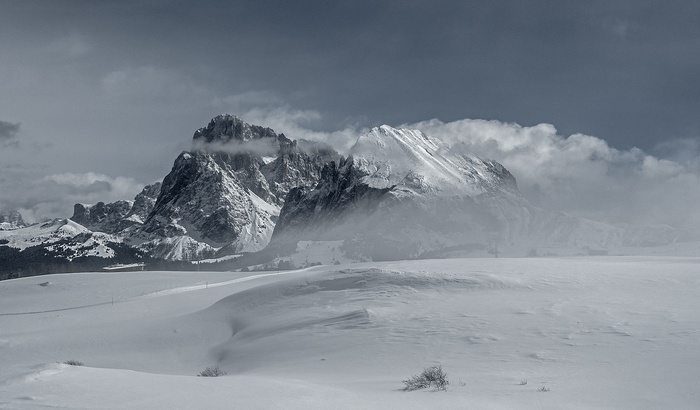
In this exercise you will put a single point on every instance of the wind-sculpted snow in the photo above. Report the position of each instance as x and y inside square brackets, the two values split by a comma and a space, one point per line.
[345, 336]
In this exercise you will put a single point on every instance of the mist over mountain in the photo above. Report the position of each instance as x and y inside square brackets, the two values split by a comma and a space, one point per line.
[11, 220]
[403, 194]
[400, 193]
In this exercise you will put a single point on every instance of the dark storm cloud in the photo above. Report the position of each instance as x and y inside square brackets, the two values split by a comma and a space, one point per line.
[627, 71]
[126, 83]
[8, 133]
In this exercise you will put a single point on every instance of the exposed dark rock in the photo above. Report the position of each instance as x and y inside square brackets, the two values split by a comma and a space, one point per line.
[119, 216]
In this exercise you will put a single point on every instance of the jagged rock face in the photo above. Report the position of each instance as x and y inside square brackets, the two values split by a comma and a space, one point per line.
[226, 128]
[229, 189]
[204, 199]
[11, 220]
[119, 216]
[338, 196]
[144, 203]
[102, 217]
[266, 163]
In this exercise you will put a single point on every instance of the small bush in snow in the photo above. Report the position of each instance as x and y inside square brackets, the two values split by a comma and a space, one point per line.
[432, 376]
[543, 389]
[211, 372]
[73, 363]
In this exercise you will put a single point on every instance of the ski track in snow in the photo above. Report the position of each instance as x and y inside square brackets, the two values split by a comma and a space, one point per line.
[182, 289]
[160, 293]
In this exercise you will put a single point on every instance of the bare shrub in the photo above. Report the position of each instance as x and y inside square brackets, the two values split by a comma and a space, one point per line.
[73, 363]
[211, 372]
[432, 376]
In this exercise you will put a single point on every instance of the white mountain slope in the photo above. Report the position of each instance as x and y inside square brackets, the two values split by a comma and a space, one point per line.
[61, 239]
[516, 333]
[409, 160]
[43, 233]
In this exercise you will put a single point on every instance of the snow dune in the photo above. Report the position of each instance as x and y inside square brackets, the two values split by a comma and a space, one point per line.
[597, 333]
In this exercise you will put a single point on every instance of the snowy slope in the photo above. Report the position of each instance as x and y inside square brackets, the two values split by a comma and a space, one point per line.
[411, 160]
[597, 333]
[43, 233]
[56, 244]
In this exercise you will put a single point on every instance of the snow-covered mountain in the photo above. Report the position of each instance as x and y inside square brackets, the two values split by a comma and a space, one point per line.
[399, 194]
[60, 245]
[404, 194]
[228, 190]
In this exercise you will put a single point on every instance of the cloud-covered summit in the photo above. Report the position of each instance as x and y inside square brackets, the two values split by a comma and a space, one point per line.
[583, 174]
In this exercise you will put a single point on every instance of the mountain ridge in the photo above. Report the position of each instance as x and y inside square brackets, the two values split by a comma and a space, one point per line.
[243, 188]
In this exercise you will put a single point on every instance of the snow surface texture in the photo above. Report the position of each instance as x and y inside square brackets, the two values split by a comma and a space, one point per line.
[584, 333]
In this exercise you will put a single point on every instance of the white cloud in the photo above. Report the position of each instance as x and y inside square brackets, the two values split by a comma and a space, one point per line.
[94, 183]
[581, 174]
[261, 147]
[298, 124]
[53, 196]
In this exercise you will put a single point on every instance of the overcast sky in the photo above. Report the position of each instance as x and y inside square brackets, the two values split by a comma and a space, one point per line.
[98, 97]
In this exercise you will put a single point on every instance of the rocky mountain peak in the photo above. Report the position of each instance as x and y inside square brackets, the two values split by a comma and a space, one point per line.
[227, 191]
[117, 216]
[225, 128]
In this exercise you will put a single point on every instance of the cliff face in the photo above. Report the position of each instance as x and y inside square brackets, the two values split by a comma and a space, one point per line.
[120, 217]
[229, 189]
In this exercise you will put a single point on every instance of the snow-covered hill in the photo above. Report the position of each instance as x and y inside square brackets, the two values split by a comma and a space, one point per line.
[46, 233]
[532, 333]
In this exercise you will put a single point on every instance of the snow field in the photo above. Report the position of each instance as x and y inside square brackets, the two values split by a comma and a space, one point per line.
[597, 333]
